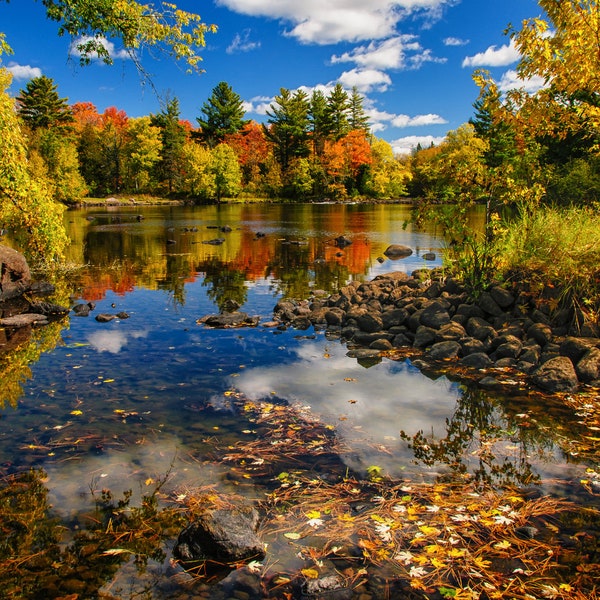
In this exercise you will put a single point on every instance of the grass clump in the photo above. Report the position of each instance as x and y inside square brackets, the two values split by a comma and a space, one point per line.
[556, 246]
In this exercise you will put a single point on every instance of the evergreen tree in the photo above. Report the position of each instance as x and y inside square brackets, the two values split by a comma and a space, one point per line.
[173, 137]
[498, 134]
[336, 112]
[356, 112]
[288, 126]
[224, 114]
[318, 122]
[40, 106]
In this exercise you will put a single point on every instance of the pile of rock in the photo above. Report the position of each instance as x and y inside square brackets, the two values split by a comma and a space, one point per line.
[504, 328]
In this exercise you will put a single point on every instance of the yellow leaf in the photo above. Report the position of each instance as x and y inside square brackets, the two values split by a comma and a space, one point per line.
[502, 545]
[149, 481]
[428, 530]
[313, 514]
[108, 380]
[76, 412]
[292, 535]
[310, 573]
[346, 518]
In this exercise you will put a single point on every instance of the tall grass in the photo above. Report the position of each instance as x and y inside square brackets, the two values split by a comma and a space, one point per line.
[558, 245]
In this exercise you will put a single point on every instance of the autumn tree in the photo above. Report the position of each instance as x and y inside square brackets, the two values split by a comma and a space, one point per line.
[252, 150]
[113, 141]
[223, 115]
[40, 106]
[288, 126]
[226, 170]
[140, 27]
[142, 152]
[198, 179]
[388, 176]
[26, 203]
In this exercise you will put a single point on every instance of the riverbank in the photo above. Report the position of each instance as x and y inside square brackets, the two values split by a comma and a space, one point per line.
[510, 336]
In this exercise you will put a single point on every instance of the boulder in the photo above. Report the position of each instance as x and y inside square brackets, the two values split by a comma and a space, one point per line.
[221, 536]
[394, 251]
[15, 277]
[23, 320]
[556, 375]
[444, 350]
[588, 367]
[435, 315]
[229, 320]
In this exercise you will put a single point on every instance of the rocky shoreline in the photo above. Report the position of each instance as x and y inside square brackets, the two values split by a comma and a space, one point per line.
[508, 333]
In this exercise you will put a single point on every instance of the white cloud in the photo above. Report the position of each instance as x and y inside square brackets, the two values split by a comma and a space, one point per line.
[493, 57]
[418, 121]
[333, 21]
[365, 80]
[398, 52]
[405, 145]
[108, 45]
[510, 80]
[23, 72]
[453, 41]
[242, 43]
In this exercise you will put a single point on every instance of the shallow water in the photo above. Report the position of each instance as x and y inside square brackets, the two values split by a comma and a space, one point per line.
[118, 405]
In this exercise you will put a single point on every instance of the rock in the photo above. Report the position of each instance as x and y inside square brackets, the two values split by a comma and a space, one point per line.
[15, 277]
[214, 242]
[556, 375]
[477, 360]
[574, 348]
[342, 241]
[480, 329]
[424, 336]
[47, 308]
[588, 367]
[444, 350]
[222, 536]
[503, 298]
[105, 317]
[369, 322]
[540, 332]
[82, 310]
[395, 251]
[435, 315]
[451, 331]
[230, 305]
[428, 256]
[24, 320]
[489, 305]
[228, 320]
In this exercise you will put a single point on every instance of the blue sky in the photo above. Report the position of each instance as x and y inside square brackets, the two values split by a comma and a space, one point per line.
[412, 60]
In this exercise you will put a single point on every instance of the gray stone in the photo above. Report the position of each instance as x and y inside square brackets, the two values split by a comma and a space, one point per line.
[15, 277]
[574, 348]
[503, 298]
[222, 535]
[230, 320]
[424, 336]
[480, 329]
[394, 317]
[588, 367]
[369, 322]
[451, 331]
[24, 320]
[540, 332]
[477, 360]
[435, 315]
[489, 305]
[394, 251]
[556, 375]
[444, 350]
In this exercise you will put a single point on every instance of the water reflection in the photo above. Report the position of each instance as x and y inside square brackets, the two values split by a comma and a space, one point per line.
[369, 407]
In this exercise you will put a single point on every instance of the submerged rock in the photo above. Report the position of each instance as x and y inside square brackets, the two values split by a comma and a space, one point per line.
[15, 276]
[226, 320]
[222, 536]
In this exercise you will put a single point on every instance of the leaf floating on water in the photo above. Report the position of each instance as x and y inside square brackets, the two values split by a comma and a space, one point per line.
[116, 551]
[310, 573]
[292, 535]
[76, 412]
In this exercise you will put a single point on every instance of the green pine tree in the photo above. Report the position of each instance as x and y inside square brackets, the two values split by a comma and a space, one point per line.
[224, 114]
[40, 106]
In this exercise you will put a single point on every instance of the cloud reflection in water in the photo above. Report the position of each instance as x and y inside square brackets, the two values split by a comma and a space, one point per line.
[373, 404]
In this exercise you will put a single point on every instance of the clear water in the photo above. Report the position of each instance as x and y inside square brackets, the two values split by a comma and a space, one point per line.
[117, 405]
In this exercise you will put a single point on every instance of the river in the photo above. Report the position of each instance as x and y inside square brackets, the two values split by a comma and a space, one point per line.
[118, 405]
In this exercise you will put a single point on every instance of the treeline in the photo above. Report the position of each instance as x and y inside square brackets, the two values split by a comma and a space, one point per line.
[316, 146]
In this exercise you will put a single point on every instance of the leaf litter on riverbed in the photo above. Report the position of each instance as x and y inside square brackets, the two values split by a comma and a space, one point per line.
[452, 539]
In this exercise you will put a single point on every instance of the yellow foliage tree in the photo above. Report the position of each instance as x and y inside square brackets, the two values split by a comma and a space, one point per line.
[26, 203]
